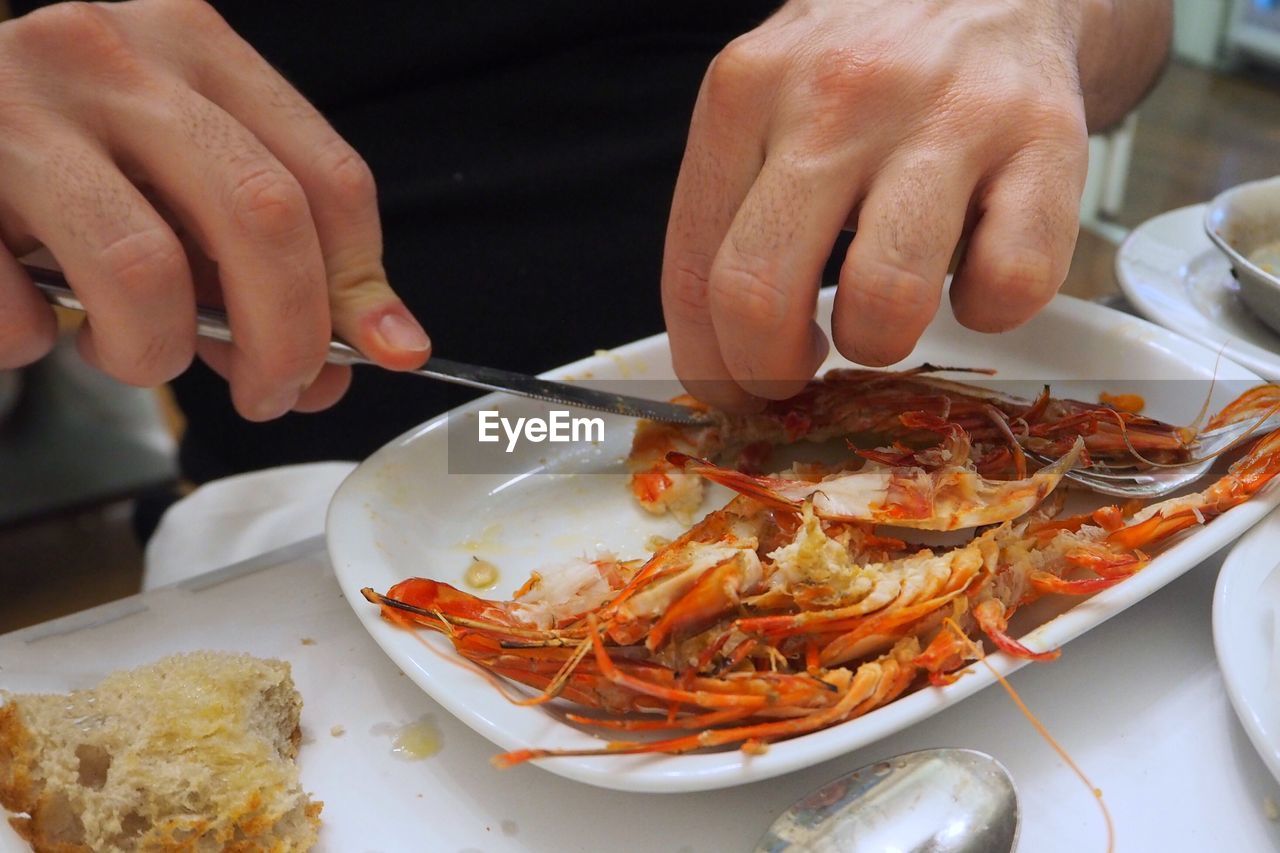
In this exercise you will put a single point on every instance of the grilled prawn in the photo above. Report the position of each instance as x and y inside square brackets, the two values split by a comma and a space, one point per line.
[796, 606]
[889, 417]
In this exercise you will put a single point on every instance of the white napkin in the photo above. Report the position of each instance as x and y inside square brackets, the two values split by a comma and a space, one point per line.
[239, 517]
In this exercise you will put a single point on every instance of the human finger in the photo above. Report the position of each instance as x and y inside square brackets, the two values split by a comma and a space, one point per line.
[250, 216]
[338, 185]
[28, 327]
[722, 157]
[1020, 250]
[765, 279]
[328, 388]
[124, 262]
[891, 281]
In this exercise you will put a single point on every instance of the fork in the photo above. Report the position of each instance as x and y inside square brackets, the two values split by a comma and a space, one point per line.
[1158, 482]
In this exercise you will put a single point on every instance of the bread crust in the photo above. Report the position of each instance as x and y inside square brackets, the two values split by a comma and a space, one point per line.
[257, 823]
[18, 790]
[16, 793]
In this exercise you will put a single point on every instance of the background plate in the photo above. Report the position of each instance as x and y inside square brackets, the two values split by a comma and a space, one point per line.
[1175, 276]
[1246, 636]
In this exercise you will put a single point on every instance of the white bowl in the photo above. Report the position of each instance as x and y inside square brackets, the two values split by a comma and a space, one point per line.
[1240, 221]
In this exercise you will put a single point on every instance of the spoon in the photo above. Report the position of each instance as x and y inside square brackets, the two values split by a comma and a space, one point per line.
[932, 801]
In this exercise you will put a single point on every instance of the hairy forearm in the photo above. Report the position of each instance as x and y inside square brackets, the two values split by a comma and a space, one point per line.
[1123, 47]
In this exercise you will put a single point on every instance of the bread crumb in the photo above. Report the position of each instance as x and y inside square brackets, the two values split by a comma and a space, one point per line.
[1270, 809]
[338, 731]
[307, 641]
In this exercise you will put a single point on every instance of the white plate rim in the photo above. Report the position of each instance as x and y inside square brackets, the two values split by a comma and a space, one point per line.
[1134, 276]
[673, 774]
[1239, 615]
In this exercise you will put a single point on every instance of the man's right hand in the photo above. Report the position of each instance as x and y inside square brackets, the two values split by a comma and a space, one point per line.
[162, 161]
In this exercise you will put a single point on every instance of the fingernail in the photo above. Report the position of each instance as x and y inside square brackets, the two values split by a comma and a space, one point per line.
[400, 332]
[277, 404]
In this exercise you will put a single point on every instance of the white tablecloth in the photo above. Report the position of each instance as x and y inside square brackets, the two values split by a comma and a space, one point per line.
[1138, 702]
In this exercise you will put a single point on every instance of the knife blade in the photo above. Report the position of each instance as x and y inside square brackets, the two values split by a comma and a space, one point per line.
[211, 323]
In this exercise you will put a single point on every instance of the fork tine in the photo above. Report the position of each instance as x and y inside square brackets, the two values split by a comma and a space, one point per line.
[1103, 487]
[1147, 484]
[1120, 474]
[1168, 478]
[1112, 473]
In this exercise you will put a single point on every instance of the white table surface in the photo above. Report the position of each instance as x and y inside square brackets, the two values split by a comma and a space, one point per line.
[1138, 702]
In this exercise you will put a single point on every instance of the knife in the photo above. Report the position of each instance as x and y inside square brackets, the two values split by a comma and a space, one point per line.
[213, 324]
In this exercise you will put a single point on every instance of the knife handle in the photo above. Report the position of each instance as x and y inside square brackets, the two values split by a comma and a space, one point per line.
[210, 322]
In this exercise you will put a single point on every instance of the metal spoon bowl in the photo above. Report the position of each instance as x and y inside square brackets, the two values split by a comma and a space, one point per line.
[935, 800]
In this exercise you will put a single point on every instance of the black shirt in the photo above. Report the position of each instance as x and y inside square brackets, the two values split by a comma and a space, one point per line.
[525, 154]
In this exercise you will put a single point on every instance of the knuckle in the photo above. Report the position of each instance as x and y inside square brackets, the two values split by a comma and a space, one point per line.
[684, 288]
[805, 167]
[1020, 283]
[141, 262]
[356, 281]
[1021, 111]
[139, 266]
[841, 73]
[843, 85]
[911, 229]
[1015, 102]
[845, 75]
[297, 299]
[747, 293]
[161, 357]
[893, 296]
[291, 362]
[85, 28]
[349, 177]
[295, 355]
[1060, 120]
[897, 303]
[1024, 275]
[734, 73]
[63, 21]
[298, 361]
[268, 203]
[198, 12]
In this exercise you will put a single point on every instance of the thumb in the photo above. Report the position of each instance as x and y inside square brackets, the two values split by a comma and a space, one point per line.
[367, 314]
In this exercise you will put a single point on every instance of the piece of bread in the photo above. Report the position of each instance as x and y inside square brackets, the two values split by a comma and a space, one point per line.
[194, 752]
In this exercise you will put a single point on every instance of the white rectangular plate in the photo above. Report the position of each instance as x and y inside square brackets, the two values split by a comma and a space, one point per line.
[402, 514]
